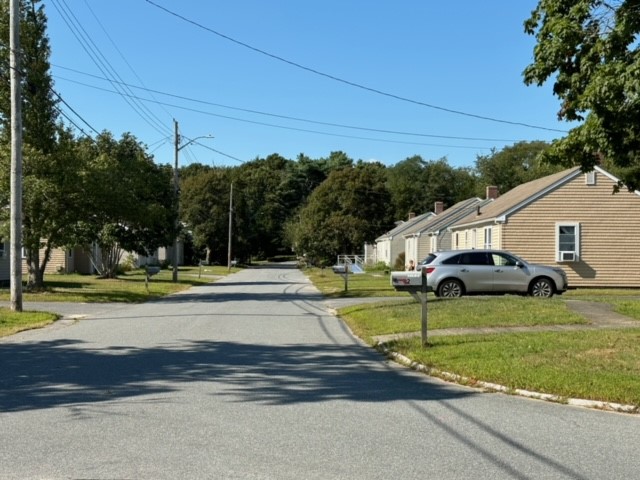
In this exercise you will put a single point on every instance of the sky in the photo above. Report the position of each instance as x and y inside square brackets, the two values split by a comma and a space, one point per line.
[244, 79]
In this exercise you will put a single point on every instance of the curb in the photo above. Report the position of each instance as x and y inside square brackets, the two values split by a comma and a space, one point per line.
[494, 387]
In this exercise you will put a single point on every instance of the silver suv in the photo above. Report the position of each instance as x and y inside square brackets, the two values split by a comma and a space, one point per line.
[459, 272]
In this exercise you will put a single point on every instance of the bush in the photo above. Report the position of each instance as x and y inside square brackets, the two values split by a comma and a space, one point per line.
[400, 262]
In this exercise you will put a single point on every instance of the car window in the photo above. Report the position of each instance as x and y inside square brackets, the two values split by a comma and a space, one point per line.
[454, 260]
[430, 258]
[503, 260]
[475, 258]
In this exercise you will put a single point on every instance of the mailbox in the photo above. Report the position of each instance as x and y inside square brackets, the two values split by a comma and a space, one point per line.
[152, 270]
[407, 281]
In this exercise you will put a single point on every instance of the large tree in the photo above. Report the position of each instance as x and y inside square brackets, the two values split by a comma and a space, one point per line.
[48, 166]
[127, 201]
[590, 48]
[348, 209]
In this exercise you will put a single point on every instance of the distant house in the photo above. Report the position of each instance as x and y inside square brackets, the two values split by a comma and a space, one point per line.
[569, 219]
[390, 245]
[434, 235]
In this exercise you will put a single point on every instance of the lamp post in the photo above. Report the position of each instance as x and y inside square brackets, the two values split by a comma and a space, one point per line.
[176, 192]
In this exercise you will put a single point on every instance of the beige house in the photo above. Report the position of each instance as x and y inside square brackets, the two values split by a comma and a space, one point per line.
[391, 244]
[435, 235]
[570, 219]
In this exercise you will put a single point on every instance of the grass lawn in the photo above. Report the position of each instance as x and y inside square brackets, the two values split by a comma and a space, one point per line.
[129, 287]
[14, 322]
[596, 365]
[601, 365]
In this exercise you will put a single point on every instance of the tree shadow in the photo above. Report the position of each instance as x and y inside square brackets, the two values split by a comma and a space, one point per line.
[49, 374]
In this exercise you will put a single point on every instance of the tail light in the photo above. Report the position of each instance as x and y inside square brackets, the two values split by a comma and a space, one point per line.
[430, 269]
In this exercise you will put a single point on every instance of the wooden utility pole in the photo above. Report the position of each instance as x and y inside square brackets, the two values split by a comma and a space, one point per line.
[230, 227]
[15, 250]
[176, 192]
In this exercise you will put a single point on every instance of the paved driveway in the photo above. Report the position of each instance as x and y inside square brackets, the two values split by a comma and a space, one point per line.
[253, 378]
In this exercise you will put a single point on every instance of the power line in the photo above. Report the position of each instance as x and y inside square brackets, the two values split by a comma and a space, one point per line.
[75, 113]
[286, 117]
[254, 122]
[103, 64]
[348, 82]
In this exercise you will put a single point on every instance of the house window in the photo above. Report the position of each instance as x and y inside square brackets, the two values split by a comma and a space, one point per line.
[590, 177]
[456, 241]
[488, 235]
[567, 242]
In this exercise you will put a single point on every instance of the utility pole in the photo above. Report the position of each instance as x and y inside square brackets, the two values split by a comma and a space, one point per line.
[176, 192]
[230, 227]
[15, 250]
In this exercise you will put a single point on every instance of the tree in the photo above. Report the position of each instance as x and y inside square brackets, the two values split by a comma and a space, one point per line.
[47, 168]
[416, 184]
[127, 201]
[591, 49]
[512, 166]
[345, 211]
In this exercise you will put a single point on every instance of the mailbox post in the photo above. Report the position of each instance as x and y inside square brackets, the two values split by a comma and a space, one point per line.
[415, 283]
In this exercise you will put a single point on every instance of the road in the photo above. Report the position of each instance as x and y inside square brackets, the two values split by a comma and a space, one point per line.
[253, 378]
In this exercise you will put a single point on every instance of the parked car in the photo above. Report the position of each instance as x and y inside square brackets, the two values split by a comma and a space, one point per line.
[460, 272]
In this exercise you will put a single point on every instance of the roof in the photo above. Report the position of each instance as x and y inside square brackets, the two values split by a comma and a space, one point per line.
[518, 197]
[449, 216]
[404, 226]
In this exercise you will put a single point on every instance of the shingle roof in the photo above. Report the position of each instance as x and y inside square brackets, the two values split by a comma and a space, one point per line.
[450, 215]
[518, 196]
[404, 226]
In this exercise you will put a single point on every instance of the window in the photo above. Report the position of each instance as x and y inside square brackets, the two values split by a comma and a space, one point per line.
[488, 235]
[456, 241]
[504, 260]
[567, 242]
[590, 178]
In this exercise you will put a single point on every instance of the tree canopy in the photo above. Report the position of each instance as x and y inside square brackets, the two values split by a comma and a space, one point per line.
[590, 48]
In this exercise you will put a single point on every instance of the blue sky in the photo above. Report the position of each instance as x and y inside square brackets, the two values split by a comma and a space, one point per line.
[464, 56]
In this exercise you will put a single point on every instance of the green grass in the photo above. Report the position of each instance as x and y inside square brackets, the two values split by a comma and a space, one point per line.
[129, 287]
[597, 365]
[387, 318]
[14, 322]
[369, 284]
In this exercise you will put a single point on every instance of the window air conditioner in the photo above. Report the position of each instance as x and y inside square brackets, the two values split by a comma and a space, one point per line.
[567, 256]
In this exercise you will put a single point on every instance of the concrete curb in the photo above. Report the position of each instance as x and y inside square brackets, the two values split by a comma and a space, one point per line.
[494, 387]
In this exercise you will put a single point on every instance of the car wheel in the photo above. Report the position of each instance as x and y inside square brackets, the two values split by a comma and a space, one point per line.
[541, 287]
[450, 288]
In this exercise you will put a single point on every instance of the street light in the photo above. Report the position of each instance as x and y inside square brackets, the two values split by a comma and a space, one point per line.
[176, 192]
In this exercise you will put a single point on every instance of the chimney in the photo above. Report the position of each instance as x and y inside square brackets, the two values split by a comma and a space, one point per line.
[412, 215]
[492, 192]
[439, 208]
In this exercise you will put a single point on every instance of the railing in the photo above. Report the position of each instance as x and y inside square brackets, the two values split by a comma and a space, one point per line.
[355, 262]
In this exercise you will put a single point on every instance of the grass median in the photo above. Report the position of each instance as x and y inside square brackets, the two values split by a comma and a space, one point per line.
[601, 365]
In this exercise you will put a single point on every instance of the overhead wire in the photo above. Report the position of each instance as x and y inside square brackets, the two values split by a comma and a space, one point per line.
[286, 117]
[104, 66]
[348, 82]
[254, 122]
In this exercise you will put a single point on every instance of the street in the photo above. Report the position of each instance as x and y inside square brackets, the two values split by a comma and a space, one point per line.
[252, 378]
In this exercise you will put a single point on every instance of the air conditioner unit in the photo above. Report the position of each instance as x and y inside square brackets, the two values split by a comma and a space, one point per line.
[567, 256]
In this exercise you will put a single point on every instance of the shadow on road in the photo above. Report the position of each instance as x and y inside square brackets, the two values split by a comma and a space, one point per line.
[62, 373]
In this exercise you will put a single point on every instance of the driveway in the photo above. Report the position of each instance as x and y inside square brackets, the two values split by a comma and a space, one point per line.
[253, 378]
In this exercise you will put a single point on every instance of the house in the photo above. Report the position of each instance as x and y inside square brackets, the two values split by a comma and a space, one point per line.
[434, 235]
[390, 245]
[569, 219]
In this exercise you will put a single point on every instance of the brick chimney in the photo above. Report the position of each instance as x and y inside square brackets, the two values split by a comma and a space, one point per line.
[412, 215]
[492, 192]
[439, 208]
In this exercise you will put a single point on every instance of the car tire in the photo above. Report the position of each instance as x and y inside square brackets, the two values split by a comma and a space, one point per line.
[450, 288]
[541, 287]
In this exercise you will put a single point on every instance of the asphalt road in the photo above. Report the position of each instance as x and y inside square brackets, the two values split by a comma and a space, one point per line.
[253, 378]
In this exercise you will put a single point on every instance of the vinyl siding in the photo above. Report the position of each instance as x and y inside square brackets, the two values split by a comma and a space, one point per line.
[609, 232]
